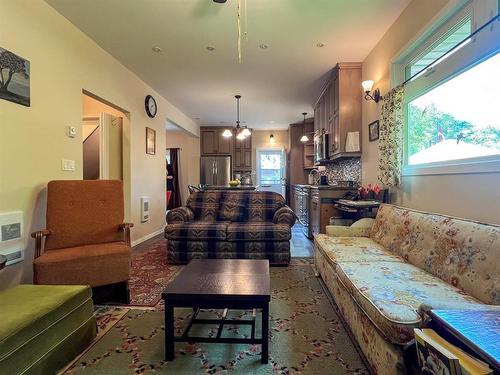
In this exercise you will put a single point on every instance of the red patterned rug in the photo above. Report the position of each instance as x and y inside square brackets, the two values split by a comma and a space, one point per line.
[149, 275]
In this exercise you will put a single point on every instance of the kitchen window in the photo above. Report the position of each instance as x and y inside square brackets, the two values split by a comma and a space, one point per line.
[452, 116]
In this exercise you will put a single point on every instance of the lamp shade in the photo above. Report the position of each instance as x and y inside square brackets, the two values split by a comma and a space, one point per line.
[367, 85]
[227, 133]
[304, 139]
[246, 132]
[240, 136]
[271, 139]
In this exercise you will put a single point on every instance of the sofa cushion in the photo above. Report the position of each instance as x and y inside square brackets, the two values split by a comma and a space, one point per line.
[36, 318]
[197, 231]
[352, 249]
[256, 231]
[233, 207]
[205, 204]
[461, 252]
[391, 293]
[85, 265]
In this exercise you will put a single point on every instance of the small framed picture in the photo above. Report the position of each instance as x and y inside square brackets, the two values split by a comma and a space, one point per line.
[373, 129]
[150, 141]
[14, 78]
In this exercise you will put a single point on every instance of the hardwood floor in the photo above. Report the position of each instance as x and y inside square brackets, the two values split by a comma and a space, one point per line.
[300, 245]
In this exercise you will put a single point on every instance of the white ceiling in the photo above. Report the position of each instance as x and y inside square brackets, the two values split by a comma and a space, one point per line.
[276, 84]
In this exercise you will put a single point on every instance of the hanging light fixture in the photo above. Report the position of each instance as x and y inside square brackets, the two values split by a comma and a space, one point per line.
[240, 134]
[304, 138]
[271, 139]
[227, 133]
[246, 132]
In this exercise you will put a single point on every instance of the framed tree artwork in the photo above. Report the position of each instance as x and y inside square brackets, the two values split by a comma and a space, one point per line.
[14, 78]
[150, 141]
[373, 131]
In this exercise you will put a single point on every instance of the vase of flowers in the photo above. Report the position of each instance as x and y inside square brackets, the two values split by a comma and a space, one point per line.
[370, 192]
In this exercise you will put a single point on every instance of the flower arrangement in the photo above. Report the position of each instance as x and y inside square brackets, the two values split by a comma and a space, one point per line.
[370, 192]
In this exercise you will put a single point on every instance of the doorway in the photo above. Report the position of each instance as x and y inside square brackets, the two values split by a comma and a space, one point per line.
[271, 170]
[102, 138]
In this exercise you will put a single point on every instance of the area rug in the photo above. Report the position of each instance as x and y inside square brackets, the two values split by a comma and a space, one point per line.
[149, 274]
[306, 337]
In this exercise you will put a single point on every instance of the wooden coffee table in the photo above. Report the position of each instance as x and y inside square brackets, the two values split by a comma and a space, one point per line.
[219, 284]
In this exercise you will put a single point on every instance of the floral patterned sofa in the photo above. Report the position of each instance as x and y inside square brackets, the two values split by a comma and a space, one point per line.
[384, 278]
[230, 224]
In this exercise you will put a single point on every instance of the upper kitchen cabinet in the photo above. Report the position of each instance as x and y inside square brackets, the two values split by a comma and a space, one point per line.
[338, 109]
[212, 142]
[243, 154]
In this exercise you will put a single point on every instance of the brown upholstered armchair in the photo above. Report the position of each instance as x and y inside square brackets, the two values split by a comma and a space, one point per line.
[86, 241]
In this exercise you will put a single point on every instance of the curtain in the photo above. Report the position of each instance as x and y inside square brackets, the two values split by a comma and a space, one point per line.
[390, 145]
[175, 199]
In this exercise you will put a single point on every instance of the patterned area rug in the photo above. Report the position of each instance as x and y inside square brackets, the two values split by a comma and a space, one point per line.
[150, 274]
[306, 337]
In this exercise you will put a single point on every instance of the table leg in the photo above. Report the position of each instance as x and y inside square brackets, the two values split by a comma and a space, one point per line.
[265, 334]
[169, 332]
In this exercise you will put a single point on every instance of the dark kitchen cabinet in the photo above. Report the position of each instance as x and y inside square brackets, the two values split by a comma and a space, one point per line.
[338, 109]
[213, 143]
[243, 154]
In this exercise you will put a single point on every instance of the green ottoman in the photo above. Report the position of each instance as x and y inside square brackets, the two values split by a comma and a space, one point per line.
[43, 327]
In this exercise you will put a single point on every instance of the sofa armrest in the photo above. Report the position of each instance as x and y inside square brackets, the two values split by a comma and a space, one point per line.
[180, 215]
[341, 231]
[39, 235]
[284, 215]
[126, 228]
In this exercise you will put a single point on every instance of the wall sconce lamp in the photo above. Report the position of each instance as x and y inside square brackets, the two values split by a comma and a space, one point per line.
[369, 94]
[271, 139]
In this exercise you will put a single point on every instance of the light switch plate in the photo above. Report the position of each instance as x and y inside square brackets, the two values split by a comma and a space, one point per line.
[67, 165]
[71, 131]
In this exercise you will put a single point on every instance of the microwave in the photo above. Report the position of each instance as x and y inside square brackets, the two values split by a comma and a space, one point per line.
[321, 148]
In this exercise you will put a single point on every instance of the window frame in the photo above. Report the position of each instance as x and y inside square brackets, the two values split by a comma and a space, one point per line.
[482, 46]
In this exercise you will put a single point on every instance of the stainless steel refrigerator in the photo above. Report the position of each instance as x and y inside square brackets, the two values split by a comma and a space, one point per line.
[215, 170]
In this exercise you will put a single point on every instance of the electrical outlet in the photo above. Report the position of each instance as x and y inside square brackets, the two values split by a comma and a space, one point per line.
[67, 165]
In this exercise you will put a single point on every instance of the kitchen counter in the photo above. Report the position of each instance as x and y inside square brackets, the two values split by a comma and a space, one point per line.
[239, 187]
[325, 187]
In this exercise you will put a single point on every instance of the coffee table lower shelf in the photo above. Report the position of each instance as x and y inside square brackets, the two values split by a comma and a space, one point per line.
[171, 339]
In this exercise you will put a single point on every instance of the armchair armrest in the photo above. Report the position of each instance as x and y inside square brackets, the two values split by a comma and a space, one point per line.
[39, 235]
[284, 215]
[341, 231]
[180, 215]
[126, 228]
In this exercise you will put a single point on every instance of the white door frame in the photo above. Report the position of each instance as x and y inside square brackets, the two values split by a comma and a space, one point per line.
[258, 150]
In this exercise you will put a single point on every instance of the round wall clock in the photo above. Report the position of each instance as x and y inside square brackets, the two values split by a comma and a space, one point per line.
[150, 104]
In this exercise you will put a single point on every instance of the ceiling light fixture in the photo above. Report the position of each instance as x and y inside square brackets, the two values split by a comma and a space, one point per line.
[240, 132]
[227, 133]
[219, 1]
[304, 138]
[156, 49]
[371, 94]
[263, 46]
[210, 48]
[320, 45]
[271, 139]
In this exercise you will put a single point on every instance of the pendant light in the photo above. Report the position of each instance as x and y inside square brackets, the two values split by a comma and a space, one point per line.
[227, 133]
[240, 134]
[304, 138]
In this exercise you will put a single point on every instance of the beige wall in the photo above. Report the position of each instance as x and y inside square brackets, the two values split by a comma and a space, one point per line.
[260, 139]
[33, 140]
[189, 158]
[464, 195]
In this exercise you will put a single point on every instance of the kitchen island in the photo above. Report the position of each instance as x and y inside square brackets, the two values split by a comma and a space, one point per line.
[236, 188]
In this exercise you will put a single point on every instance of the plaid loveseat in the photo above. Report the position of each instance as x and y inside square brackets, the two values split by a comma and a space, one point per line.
[230, 224]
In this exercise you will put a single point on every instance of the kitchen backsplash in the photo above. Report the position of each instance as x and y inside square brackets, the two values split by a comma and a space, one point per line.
[343, 170]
